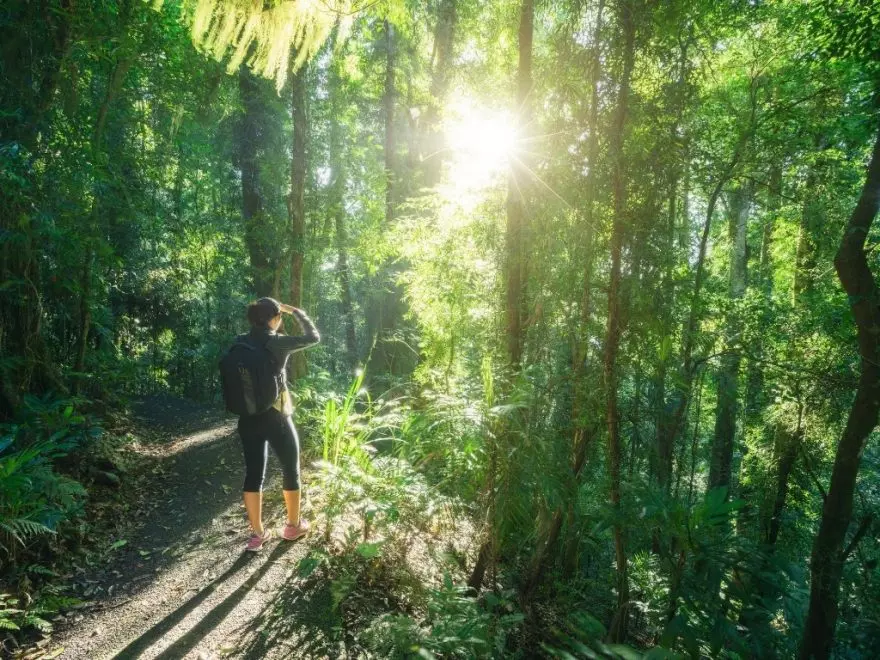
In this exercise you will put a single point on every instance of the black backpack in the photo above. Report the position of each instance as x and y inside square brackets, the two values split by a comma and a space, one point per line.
[250, 377]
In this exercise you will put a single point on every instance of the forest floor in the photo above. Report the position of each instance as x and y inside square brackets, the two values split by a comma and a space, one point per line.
[181, 585]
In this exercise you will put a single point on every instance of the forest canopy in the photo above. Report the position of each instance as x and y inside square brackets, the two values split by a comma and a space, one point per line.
[595, 281]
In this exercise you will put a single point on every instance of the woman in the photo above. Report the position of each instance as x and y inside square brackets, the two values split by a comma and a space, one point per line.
[274, 427]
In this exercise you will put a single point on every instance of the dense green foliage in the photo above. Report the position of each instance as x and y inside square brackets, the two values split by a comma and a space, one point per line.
[573, 264]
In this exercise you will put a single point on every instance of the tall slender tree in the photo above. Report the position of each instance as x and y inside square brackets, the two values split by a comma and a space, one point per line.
[251, 138]
[296, 202]
[434, 152]
[728, 374]
[626, 10]
[124, 58]
[514, 265]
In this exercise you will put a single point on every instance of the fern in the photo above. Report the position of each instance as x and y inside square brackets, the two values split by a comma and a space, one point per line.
[8, 614]
[263, 35]
[21, 529]
[36, 621]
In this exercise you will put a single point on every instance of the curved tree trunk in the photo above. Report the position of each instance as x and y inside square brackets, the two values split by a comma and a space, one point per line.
[826, 563]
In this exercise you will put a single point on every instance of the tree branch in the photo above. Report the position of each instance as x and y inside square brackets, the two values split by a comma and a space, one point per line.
[864, 526]
[812, 474]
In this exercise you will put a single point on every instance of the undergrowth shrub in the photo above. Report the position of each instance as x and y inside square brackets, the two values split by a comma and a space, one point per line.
[456, 625]
[35, 498]
[390, 478]
[43, 459]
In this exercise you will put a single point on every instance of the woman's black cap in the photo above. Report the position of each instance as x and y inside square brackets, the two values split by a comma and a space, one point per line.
[270, 303]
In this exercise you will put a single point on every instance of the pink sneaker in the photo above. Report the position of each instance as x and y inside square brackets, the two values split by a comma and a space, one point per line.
[256, 541]
[293, 532]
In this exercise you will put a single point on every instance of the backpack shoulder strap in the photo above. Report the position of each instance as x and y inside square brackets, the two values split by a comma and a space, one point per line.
[257, 343]
[242, 340]
[248, 341]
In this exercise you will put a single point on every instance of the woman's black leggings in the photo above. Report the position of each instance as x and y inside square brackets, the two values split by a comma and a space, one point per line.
[257, 433]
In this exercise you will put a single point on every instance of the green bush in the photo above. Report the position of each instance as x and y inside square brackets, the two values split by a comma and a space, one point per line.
[39, 506]
[456, 626]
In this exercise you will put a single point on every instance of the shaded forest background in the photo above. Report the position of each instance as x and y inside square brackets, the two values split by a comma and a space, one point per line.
[631, 341]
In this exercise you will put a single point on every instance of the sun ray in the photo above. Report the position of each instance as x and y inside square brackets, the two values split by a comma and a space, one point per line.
[481, 141]
[533, 138]
[543, 183]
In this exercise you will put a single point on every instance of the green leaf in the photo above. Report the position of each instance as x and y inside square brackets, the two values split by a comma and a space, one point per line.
[660, 653]
[369, 550]
[624, 651]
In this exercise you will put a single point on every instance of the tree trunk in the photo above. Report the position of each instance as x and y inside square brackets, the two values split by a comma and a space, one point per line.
[114, 84]
[664, 451]
[25, 61]
[680, 397]
[340, 177]
[390, 355]
[826, 564]
[296, 203]
[250, 144]
[618, 630]
[442, 60]
[787, 442]
[513, 261]
[344, 271]
[663, 439]
[582, 434]
[809, 229]
[28, 59]
[766, 262]
[388, 99]
[728, 375]
[755, 396]
[517, 181]
[786, 450]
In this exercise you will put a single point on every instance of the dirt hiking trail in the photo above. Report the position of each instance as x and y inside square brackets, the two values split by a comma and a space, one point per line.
[181, 585]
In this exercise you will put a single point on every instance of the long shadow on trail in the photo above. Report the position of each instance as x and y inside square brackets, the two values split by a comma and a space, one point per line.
[211, 620]
[301, 616]
[200, 482]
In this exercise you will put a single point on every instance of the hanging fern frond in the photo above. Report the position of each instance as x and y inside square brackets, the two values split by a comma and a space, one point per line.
[264, 34]
[22, 529]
